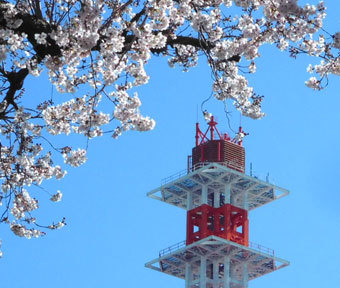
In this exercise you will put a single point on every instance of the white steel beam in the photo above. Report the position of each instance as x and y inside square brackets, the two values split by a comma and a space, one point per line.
[189, 200]
[226, 272]
[227, 194]
[245, 275]
[204, 196]
[209, 248]
[203, 272]
[215, 273]
[207, 172]
[245, 201]
[188, 276]
[216, 199]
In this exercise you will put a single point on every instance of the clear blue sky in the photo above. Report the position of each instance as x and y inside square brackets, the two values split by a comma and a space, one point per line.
[113, 228]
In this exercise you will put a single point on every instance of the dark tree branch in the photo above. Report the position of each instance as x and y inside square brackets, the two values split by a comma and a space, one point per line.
[32, 25]
[186, 40]
[16, 81]
[35, 24]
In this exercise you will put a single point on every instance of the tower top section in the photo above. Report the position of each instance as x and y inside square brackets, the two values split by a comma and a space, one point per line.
[202, 138]
[217, 195]
[219, 148]
[217, 166]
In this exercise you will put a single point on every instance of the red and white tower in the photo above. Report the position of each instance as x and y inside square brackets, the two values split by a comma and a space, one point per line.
[217, 195]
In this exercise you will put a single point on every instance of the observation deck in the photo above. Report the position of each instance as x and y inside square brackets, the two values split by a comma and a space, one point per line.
[246, 262]
[243, 191]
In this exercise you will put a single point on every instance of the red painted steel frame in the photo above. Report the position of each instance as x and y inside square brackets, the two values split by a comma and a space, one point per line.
[224, 150]
[228, 222]
[212, 127]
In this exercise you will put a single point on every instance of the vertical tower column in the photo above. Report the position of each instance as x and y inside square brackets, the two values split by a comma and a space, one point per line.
[215, 280]
[204, 196]
[188, 275]
[245, 201]
[227, 194]
[216, 199]
[216, 267]
[203, 272]
[245, 275]
[226, 280]
[189, 200]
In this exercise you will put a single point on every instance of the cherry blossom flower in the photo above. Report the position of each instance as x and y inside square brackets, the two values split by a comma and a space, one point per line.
[95, 52]
[56, 197]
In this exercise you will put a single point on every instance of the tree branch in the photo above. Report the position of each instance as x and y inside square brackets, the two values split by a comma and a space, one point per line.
[32, 25]
[16, 81]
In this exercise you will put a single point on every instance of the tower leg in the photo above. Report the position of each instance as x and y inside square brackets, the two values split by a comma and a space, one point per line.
[189, 200]
[245, 275]
[226, 282]
[203, 272]
[215, 274]
[204, 196]
[245, 201]
[216, 199]
[227, 194]
[188, 276]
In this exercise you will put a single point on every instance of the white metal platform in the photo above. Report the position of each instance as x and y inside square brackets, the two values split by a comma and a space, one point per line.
[189, 190]
[223, 264]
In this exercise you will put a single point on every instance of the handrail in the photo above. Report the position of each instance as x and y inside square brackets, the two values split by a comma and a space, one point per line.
[182, 244]
[174, 177]
[172, 248]
[199, 165]
[261, 248]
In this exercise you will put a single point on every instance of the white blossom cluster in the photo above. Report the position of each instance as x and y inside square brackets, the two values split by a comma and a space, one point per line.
[75, 157]
[88, 29]
[59, 225]
[23, 164]
[330, 63]
[100, 48]
[23, 203]
[127, 112]
[77, 115]
[23, 231]
[57, 197]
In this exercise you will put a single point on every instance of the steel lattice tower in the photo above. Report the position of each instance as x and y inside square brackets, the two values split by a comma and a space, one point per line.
[217, 195]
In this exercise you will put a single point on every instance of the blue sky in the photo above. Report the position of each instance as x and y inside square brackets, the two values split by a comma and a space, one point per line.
[114, 229]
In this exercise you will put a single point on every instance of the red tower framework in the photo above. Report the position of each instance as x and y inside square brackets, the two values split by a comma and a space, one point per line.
[228, 222]
[224, 150]
[217, 195]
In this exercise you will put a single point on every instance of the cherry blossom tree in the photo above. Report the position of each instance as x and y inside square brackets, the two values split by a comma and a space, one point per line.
[101, 47]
